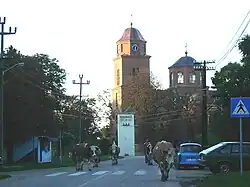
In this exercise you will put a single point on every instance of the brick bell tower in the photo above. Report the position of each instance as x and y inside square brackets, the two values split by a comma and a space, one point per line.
[131, 60]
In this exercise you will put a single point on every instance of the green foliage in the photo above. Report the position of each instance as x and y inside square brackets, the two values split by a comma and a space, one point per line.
[35, 103]
[89, 119]
[29, 95]
[232, 80]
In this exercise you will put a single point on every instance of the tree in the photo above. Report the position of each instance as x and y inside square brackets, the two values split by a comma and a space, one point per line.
[232, 80]
[31, 96]
[89, 118]
[106, 114]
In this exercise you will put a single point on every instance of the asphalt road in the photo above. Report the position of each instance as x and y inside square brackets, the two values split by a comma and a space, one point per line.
[130, 172]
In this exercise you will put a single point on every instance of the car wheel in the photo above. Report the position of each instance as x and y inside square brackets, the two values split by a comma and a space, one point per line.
[224, 167]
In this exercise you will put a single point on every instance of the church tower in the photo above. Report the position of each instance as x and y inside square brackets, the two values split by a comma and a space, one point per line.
[131, 60]
[183, 76]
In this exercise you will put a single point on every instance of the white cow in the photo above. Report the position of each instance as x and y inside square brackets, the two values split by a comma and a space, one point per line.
[163, 155]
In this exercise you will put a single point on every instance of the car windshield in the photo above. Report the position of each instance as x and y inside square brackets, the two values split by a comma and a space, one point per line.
[212, 148]
[190, 148]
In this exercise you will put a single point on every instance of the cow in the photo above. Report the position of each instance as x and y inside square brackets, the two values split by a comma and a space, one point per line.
[164, 155]
[83, 153]
[148, 153]
[115, 151]
[96, 154]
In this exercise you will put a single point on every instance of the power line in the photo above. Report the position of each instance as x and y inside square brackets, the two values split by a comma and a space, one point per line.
[237, 31]
[234, 45]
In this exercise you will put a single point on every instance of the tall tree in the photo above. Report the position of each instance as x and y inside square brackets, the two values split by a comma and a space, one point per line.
[232, 80]
[89, 118]
[32, 95]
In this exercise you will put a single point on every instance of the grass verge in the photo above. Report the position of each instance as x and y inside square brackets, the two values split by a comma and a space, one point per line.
[226, 180]
[4, 176]
[55, 164]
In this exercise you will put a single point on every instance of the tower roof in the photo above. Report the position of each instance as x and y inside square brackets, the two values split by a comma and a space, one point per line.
[184, 61]
[132, 33]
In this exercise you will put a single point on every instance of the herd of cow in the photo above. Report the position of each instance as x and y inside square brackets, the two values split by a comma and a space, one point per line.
[85, 153]
[163, 153]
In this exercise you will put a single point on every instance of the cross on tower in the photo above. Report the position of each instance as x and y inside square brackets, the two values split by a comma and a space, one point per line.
[131, 21]
[186, 52]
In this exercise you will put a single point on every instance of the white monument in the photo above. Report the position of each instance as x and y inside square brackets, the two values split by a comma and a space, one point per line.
[126, 133]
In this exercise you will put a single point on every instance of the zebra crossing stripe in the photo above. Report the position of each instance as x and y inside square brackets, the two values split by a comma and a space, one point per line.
[118, 173]
[99, 172]
[55, 174]
[140, 172]
[77, 173]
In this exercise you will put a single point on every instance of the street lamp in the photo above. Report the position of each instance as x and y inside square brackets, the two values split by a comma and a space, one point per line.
[2, 108]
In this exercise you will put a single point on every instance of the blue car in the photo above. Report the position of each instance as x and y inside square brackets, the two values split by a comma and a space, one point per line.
[188, 155]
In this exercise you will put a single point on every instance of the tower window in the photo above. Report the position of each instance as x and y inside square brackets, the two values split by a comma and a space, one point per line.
[192, 77]
[138, 70]
[118, 77]
[200, 77]
[171, 79]
[180, 78]
[117, 49]
[144, 48]
[121, 47]
[116, 100]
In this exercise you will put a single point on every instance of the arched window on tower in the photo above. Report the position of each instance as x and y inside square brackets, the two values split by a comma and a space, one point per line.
[118, 77]
[200, 77]
[192, 77]
[180, 78]
[171, 79]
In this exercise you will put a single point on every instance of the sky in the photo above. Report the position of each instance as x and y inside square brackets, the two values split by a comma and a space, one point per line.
[82, 34]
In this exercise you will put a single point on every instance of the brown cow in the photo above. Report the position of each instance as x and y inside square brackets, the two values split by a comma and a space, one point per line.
[163, 155]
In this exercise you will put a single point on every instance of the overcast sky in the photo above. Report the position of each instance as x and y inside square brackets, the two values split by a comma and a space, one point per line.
[82, 34]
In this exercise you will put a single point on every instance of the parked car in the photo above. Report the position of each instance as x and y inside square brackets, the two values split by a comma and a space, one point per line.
[188, 155]
[225, 157]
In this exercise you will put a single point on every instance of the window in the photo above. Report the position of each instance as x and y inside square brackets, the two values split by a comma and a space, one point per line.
[116, 100]
[235, 148]
[144, 48]
[171, 78]
[118, 77]
[180, 78]
[246, 148]
[117, 49]
[200, 77]
[133, 71]
[190, 149]
[121, 47]
[225, 150]
[137, 70]
[192, 77]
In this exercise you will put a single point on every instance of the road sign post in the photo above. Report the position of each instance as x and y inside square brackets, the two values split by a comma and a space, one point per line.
[240, 107]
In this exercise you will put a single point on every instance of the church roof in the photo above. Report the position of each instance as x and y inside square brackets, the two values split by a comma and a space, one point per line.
[184, 61]
[132, 34]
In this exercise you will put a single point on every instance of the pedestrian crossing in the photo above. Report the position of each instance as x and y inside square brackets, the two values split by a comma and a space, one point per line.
[99, 173]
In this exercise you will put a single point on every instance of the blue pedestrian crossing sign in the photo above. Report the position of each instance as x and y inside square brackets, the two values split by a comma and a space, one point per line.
[240, 107]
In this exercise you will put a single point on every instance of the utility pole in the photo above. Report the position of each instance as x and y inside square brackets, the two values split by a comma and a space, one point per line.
[80, 104]
[3, 33]
[203, 68]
